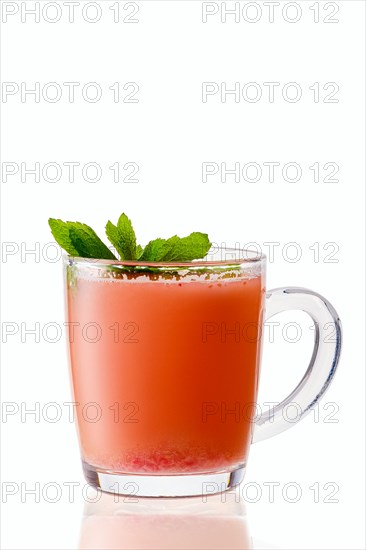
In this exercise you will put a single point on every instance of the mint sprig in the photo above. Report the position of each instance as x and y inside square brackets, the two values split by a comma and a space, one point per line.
[80, 240]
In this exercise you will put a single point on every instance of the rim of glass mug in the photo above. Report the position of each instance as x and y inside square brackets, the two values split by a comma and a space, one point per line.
[246, 257]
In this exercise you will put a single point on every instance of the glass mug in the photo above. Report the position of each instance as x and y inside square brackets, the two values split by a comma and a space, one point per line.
[160, 353]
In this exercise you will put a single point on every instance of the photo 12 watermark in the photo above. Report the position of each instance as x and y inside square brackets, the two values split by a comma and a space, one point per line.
[269, 92]
[53, 412]
[270, 12]
[92, 332]
[269, 172]
[70, 171]
[70, 12]
[69, 92]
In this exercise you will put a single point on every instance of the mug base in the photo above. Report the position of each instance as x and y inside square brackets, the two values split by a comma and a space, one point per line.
[173, 485]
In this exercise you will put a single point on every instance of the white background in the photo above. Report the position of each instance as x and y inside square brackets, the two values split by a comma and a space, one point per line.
[169, 133]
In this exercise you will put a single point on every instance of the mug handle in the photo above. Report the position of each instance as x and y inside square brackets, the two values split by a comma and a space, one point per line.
[323, 362]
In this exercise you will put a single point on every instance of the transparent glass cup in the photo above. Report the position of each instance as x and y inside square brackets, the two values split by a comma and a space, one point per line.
[165, 361]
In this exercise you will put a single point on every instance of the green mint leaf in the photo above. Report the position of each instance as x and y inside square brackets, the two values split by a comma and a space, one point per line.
[155, 250]
[186, 249]
[123, 238]
[78, 239]
[113, 236]
[61, 233]
[139, 251]
[88, 244]
[127, 238]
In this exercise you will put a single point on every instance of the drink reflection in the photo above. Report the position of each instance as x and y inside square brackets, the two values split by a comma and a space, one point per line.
[215, 522]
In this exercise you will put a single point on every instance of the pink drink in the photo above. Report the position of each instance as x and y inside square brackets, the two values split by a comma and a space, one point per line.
[171, 365]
